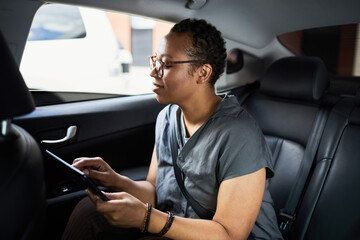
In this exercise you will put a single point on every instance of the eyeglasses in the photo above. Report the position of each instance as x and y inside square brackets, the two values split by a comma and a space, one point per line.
[159, 65]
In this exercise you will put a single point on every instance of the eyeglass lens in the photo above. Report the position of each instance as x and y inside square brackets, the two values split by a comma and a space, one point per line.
[159, 68]
[158, 65]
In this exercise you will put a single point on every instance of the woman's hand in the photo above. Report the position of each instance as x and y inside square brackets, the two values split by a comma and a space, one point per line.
[98, 170]
[123, 210]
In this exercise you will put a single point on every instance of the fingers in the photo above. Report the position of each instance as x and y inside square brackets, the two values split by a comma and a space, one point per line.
[117, 202]
[93, 197]
[77, 160]
[88, 164]
[98, 170]
[111, 196]
[96, 175]
[93, 163]
[116, 195]
[106, 206]
[123, 210]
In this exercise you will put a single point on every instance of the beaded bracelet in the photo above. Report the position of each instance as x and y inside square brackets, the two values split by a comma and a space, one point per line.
[146, 221]
[168, 224]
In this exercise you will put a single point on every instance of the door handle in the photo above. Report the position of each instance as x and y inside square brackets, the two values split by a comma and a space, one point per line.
[70, 134]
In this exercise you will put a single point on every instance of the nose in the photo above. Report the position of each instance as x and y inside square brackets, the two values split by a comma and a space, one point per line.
[153, 73]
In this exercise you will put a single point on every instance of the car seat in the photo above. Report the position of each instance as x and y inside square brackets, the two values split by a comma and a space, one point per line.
[22, 202]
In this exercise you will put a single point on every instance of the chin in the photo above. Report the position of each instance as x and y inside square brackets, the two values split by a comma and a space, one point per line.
[160, 99]
[164, 100]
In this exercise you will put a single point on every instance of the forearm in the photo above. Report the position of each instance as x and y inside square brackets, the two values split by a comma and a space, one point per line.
[186, 228]
[143, 190]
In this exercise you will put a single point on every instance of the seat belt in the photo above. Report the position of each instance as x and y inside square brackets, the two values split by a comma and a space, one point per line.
[242, 94]
[288, 212]
[199, 210]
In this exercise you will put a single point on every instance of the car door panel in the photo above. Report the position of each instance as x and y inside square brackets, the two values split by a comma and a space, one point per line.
[120, 130]
[98, 117]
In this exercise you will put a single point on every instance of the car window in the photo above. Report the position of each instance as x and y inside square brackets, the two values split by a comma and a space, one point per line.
[337, 46]
[85, 50]
[57, 22]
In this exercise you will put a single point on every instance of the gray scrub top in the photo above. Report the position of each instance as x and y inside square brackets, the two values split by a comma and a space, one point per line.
[228, 145]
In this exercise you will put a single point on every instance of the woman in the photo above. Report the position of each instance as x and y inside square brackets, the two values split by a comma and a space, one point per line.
[222, 156]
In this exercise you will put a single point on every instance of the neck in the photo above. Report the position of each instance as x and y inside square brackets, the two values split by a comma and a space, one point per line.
[198, 111]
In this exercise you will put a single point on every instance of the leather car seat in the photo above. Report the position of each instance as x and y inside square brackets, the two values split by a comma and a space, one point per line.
[330, 206]
[285, 107]
[22, 202]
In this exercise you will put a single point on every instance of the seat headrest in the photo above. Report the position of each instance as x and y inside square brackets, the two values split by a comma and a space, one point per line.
[304, 78]
[15, 98]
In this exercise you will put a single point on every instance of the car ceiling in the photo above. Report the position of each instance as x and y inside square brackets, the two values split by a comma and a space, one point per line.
[251, 23]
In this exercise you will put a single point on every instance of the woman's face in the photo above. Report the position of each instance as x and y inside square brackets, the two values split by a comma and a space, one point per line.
[177, 85]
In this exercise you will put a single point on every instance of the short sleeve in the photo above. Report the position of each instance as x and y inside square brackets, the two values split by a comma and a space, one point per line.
[161, 120]
[161, 123]
[244, 151]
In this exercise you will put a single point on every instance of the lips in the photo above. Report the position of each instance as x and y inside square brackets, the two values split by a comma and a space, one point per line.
[157, 87]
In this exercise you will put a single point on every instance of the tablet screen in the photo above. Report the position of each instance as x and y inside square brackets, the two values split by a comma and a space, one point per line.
[65, 163]
[89, 184]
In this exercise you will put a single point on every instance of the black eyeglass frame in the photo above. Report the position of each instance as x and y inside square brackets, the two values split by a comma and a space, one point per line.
[160, 68]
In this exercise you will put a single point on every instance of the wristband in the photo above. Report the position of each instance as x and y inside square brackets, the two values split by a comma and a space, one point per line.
[168, 224]
[145, 225]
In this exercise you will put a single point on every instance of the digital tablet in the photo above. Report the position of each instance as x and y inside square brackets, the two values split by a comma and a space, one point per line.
[86, 181]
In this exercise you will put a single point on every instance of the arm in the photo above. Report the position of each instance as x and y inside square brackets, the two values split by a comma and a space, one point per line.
[239, 202]
[99, 171]
[238, 205]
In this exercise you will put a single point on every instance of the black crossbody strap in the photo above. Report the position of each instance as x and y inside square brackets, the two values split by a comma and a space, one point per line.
[199, 210]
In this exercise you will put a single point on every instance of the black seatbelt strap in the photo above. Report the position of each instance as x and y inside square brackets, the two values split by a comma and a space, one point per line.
[245, 96]
[287, 214]
[199, 210]
[243, 93]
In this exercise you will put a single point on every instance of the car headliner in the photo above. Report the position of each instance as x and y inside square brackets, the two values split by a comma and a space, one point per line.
[252, 23]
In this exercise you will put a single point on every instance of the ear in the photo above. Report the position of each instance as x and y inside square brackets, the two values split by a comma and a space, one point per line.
[204, 73]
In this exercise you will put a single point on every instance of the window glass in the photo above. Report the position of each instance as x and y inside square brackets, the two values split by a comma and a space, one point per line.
[57, 22]
[337, 46]
[76, 49]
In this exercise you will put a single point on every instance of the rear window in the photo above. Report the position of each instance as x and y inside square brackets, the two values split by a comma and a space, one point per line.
[337, 46]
